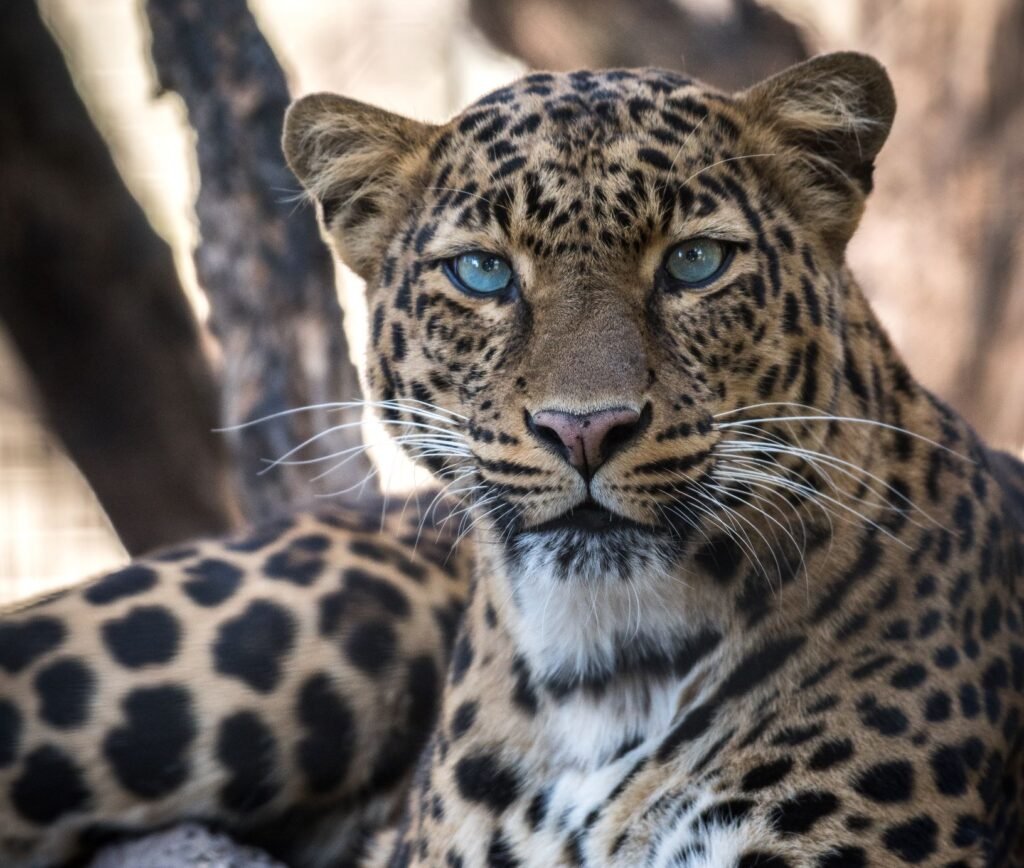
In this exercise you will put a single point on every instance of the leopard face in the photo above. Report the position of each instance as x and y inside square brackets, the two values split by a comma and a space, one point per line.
[645, 265]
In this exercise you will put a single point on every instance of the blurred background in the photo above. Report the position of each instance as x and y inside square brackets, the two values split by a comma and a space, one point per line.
[160, 276]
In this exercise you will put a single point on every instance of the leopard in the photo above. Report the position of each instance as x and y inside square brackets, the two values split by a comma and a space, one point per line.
[731, 587]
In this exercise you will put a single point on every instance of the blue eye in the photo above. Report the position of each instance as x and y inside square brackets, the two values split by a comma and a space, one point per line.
[479, 272]
[694, 262]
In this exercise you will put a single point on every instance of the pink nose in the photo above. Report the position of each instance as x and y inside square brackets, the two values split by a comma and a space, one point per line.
[585, 440]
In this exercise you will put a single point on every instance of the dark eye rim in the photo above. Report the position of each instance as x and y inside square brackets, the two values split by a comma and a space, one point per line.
[448, 266]
[676, 283]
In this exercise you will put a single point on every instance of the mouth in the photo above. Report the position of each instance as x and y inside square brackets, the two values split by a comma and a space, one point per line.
[588, 517]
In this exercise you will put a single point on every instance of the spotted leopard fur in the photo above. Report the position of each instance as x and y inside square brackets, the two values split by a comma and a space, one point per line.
[792, 635]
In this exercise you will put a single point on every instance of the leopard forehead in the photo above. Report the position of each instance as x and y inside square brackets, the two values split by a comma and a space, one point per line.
[580, 145]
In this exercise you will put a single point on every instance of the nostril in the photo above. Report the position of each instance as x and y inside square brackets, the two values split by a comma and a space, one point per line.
[624, 432]
[547, 435]
[618, 437]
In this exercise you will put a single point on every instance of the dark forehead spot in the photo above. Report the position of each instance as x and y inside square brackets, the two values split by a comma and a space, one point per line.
[252, 647]
[246, 747]
[65, 688]
[10, 732]
[22, 644]
[148, 754]
[325, 750]
[135, 579]
[147, 635]
[213, 581]
[50, 786]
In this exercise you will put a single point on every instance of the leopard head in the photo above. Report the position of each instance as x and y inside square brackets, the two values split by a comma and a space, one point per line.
[574, 278]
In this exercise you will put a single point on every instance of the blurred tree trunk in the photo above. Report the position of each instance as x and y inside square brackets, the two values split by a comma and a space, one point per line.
[941, 248]
[92, 301]
[730, 48]
[261, 261]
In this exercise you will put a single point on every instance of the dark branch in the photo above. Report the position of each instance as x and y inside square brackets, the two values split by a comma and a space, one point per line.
[260, 260]
[93, 304]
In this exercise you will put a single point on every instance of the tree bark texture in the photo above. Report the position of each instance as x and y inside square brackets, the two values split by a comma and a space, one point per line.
[746, 43]
[93, 304]
[260, 259]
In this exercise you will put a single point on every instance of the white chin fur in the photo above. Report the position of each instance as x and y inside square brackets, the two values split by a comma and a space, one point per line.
[582, 600]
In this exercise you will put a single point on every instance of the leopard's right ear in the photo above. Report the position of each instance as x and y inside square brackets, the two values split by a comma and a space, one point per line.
[357, 161]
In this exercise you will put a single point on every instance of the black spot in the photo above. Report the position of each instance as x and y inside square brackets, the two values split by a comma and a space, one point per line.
[371, 646]
[65, 688]
[760, 859]
[22, 644]
[214, 582]
[252, 647]
[300, 562]
[483, 778]
[830, 754]
[132, 580]
[147, 635]
[909, 677]
[463, 719]
[725, 813]
[655, 158]
[938, 706]
[886, 782]
[797, 815]
[537, 810]
[386, 595]
[246, 747]
[767, 775]
[149, 753]
[758, 665]
[949, 771]
[499, 853]
[363, 596]
[410, 725]
[325, 751]
[886, 719]
[50, 786]
[914, 840]
[970, 704]
[462, 659]
[10, 732]
[844, 857]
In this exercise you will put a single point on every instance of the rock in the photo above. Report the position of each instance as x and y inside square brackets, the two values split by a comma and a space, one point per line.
[185, 846]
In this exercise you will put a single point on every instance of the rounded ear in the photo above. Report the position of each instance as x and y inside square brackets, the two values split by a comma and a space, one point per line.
[356, 161]
[832, 113]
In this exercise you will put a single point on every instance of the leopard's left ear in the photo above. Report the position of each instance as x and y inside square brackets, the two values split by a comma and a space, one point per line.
[357, 161]
[828, 118]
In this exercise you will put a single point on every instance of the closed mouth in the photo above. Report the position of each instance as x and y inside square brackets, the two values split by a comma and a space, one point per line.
[588, 517]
